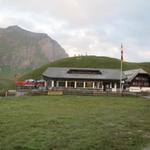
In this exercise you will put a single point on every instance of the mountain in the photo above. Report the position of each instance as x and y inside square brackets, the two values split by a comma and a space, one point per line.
[87, 62]
[22, 51]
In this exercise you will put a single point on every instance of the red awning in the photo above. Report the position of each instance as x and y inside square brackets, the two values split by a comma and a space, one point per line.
[20, 82]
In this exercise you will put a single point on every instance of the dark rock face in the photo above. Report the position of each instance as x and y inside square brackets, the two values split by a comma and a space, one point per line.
[20, 48]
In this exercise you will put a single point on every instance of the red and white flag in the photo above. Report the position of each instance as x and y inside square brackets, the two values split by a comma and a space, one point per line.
[121, 53]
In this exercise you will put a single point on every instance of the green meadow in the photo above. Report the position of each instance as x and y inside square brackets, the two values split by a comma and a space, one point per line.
[74, 123]
[87, 62]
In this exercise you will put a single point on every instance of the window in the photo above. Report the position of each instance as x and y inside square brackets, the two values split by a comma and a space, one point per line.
[100, 84]
[80, 84]
[89, 84]
[61, 83]
[49, 83]
[97, 84]
[71, 84]
[83, 71]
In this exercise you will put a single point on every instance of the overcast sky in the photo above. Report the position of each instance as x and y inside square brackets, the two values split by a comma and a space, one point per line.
[92, 27]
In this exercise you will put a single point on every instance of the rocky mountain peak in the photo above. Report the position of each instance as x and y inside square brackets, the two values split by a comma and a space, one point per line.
[14, 28]
[28, 49]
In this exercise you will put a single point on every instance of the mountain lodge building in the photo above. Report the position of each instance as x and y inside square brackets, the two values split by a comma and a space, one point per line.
[97, 79]
[83, 78]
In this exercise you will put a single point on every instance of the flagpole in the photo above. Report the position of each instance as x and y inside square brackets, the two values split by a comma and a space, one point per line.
[121, 67]
[121, 78]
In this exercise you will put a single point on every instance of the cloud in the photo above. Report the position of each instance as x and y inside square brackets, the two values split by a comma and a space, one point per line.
[86, 27]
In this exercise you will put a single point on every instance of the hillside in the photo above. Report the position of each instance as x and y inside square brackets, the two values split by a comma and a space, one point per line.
[87, 62]
[21, 51]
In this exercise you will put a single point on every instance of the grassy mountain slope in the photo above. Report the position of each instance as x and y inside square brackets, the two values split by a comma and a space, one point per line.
[87, 62]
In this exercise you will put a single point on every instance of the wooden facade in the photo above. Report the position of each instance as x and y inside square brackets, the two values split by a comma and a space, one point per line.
[140, 80]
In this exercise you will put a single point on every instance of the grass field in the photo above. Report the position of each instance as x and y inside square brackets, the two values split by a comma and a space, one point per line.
[74, 123]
